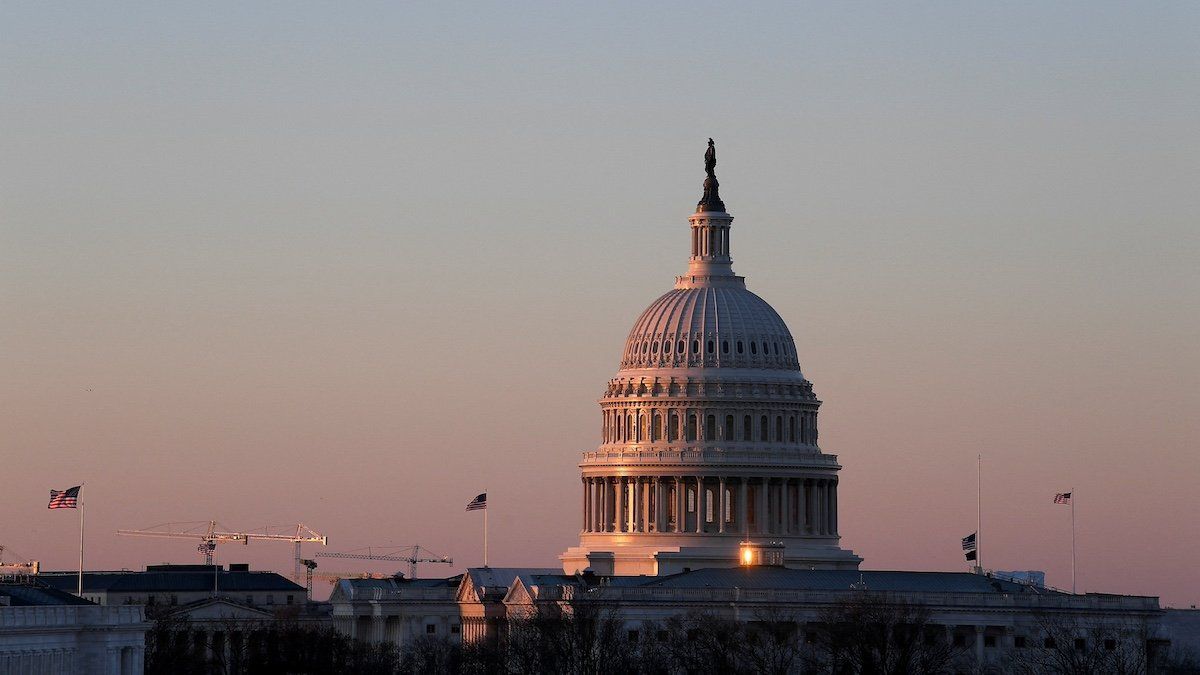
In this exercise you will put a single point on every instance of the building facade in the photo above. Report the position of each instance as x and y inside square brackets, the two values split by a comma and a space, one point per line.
[709, 431]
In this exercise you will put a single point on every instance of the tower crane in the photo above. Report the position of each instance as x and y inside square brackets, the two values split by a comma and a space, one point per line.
[409, 554]
[210, 532]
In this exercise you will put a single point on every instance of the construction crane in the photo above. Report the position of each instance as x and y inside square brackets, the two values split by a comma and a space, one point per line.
[409, 554]
[210, 532]
[17, 568]
[310, 567]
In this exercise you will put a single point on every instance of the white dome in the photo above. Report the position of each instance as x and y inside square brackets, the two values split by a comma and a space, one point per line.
[710, 327]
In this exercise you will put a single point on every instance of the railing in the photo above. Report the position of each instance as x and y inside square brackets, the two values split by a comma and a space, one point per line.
[676, 455]
[58, 616]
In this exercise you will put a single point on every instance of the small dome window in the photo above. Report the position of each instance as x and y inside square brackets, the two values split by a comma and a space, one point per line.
[679, 348]
[776, 349]
[695, 346]
[753, 347]
[654, 348]
[711, 347]
[666, 346]
[724, 346]
[739, 346]
[765, 350]
[645, 346]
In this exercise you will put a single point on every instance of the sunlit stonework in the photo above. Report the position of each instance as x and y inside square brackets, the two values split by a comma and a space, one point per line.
[709, 433]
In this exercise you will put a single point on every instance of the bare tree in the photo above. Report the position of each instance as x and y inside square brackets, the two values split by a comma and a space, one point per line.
[872, 633]
[1072, 645]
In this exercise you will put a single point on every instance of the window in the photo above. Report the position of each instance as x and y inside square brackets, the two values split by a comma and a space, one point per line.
[776, 348]
[270, 599]
[709, 511]
[711, 348]
[679, 347]
[1110, 645]
[1049, 643]
[666, 346]
[765, 352]
[661, 635]
[753, 347]
[778, 429]
[645, 346]
[1080, 644]
[654, 348]
[656, 430]
[739, 346]
[724, 346]
[691, 500]
[691, 427]
[792, 428]
[728, 505]
[430, 628]
[673, 427]
[763, 429]
[695, 346]
[989, 640]
[633, 636]
[728, 427]
[960, 640]
[747, 431]
[455, 629]
[1019, 642]
[710, 427]
[291, 600]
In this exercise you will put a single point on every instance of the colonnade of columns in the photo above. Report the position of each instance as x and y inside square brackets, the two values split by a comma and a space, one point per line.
[655, 425]
[704, 504]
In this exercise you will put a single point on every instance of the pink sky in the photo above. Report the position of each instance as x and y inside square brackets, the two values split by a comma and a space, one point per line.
[353, 270]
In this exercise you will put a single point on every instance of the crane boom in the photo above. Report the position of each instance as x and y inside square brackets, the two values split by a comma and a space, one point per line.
[210, 532]
[409, 554]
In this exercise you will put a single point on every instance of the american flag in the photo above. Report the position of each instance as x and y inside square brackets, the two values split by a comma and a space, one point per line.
[65, 499]
[968, 542]
[479, 503]
[1062, 498]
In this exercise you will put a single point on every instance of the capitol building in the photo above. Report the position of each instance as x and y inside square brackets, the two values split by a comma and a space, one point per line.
[710, 495]
[709, 431]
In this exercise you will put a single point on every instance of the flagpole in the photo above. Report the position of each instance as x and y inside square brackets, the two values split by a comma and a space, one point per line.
[82, 509]
[485, 529]
[1072, 540]
[979, 512]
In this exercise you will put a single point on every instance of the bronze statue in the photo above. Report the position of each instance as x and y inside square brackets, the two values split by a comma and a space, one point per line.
[711, 201]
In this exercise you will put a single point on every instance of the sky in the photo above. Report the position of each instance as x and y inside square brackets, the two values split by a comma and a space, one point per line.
[270, 263]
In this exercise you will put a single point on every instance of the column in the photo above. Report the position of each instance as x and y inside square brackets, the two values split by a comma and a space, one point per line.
[823, 507]
[584, 481]
[636, 522]
[680, 504]
[701, 511]
[761, 512]
[619, 503]
[833, 524]
[658, 504]
[743, 507]
[806, 501]
[721, 505]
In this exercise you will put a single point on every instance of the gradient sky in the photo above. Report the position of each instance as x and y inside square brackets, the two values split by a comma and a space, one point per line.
[280, 262]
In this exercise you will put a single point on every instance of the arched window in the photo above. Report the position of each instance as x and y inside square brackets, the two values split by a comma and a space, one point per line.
[691, 500]
[695, 346]
[673, 426]
[728, 435]
[724, 346]
[792, 428]
[654, 348]
[666, 346]
[710, 428]
[711, 346]
[656, 430]
[765, 349]
[776, 345]
[804, 427]
[709, 514]
[628, 426]
[753, 347]
[691, 427]
[778, 428]
[679, 347]
[639, 428]
[763, 429]
[739, 346]
[747, 432]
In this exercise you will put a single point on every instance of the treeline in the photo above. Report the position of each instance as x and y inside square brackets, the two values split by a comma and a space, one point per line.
[864, 636]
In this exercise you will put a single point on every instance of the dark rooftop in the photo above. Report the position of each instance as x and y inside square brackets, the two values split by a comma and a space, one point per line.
[29, 594]
[832, 580]
[173, 578]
